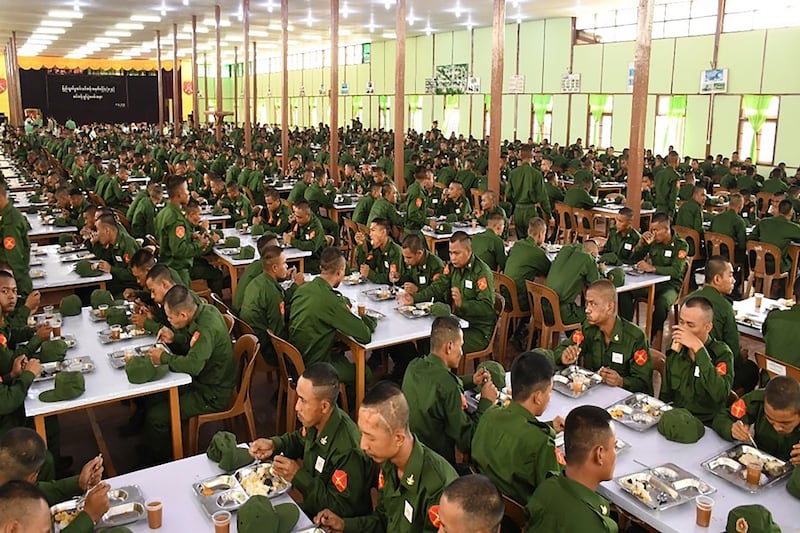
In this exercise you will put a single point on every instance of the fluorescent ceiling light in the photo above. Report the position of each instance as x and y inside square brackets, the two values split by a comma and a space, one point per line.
[112, 40]
[122, 57]
[129, 26]
[52, 31]
[118, 33]
[65, 14]
[184, 36]
[277, 27]
[41, 39]
[211, 21]
[258, 33]
[56, 23]
[311, 37]
[200, 28]
[102, 46]
[145, 18]
[389, 35]
[234, 37]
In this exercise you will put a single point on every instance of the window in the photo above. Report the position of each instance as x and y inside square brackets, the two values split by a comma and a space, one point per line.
[312, 110]
[600, 108]
[743, 15]
[758, 128]
[358, 108]
[384, 112]
[487, 115]
[451, 115]
[541, 117]
[415, 113]
[670, 120]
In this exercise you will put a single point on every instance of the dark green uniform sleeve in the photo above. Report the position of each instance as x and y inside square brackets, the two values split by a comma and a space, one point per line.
[12, 395]
[195, 360]
[289, 444]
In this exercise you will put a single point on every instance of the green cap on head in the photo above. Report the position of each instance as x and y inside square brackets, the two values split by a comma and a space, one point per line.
[619, 199]
[84, 269]
[258, 515]
[617, 276]
[246, 252]
[70, 305]
[67, 386]
[141, 369]
[223, 450]
[117, 315]
[679, 425]
[257, 229]
[65, 239]
[794, 484]
[751, 519]
[497, 372]
[440, 309]
[54, 350]
[101, 297]
[232, 242]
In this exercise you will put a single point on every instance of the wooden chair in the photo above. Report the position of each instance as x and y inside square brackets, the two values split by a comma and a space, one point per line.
[204, 294]
[506, 286]
[350, 230]
[720, 244]
[763, 202]
[329, 240]
[122, 219]
[537, 295]
[566, 223]
[216, 299]
[584, 218]
[758, 271]
[515, 512]
[230, 320]
[95, 198]
[693, 238]
[240, 328]
[659, 369]
[774, 367]
[488, 352]
[476, 197]
[245, 353]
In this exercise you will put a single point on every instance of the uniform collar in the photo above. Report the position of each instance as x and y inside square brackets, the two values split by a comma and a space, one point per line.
[518, 410]
[325, 437]
[598, 504]
[411, 476]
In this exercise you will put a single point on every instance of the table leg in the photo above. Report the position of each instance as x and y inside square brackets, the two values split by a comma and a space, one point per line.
[234, 276]
[431, 244]
[360, 359]
[651, 298]
[102, 285]
[175, 417]
[38, 422]
[302, 263]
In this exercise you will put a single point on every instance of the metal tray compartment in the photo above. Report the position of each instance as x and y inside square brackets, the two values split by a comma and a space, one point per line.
[65, 512]
[415, 311]
[220, 493]
[77, 256]
[258, 479]
[128, 332]
[562, 381]
[638, 411]
[119, 357]
[126, 506]
[664, 486]
[82, 364]
[381, 293]
[729, 466]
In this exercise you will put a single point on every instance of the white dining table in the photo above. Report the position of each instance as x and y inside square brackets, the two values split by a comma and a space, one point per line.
[41, 232]
[60, 275]
[750, 320]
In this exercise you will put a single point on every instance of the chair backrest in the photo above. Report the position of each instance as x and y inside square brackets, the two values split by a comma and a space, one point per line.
[122, 219]
[245, 351]
[229, 321]
[763, 202]
[219, 304]
[686, 279]
[503, 282]
[584, 223]
[515, 512]
[204, 294]
[363, 228]
[249, 194]
[692, 237]
[659, 369]
[538, 293]
[774, 367]
[761, 251]
[329, 240]
[566, 222]
[287, 352]
[476, 197]
[720, 244]
[240, 327]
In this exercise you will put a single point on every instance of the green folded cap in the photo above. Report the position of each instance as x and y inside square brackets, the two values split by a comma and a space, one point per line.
[117, 315]
[101, 297]
[619, 199]
[240, 224]
[217, 210]
[223, 450]
[70, 305]
[67, 386]
[257, 229]
[279, 183]
[60, 222]
[751, 519]
[794, 484]
[246, 252]
[617, 276]
[117, 529]
[35, 198]
[84, 269]
[440, 309]
[647, 205]
[142, 370]
[609, 258]
[258, 515]
[444, 227]
[218, 232]
[54, 350]
[452, 217]
[679, 425]
[65, 239]
[232, 242]
[497, 372]
[32, 210]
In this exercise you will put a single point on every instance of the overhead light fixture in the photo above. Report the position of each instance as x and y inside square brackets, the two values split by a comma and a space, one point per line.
[410, 17]
[388, 4]
[371, 26]
[389, 35]
[311, 37]
[145, 18]
[345, 10]
[186, 2]
[184, 36]
[56, 23]
[111, 40]
[270, 6]
[51, 31]
[428, 30]
[118, 33]
[42, 38]
[259, 33]
[309, 19]
[129, 26]
[64, 14]
[458, 10]
[223, 22]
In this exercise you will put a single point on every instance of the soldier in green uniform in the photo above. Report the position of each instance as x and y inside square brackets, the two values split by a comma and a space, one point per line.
[276, 218]
[773, 412]
[317, 312]
[516, 431]
[117, 192]
[364, 205]
[665, 253]
[202, 268]
[298, 192]
[455, 204]
[775, 183]
[731, 223]
[121, 247]
[421, 266]
[578, 196]
[386, 207]
[778, 230]
[448, 172]
[574, 268]
[780, 328]
[335, 474]
[699, 371]
[235, 204]
[687, 188]
[489, 246]
[690, 214]
[317, 197]
[608, 344]
[411, 477]
[77, 205]
[16, 249]
[144, 213]
[525, 190]
[252, 271]
[173, 231]
[467, 285]
[417, 201]
[382, 260]
[466, 176]
[307, 234]
[437, 408]
[666, 185]
[527, 260]
[209, 361]
[471, 503]
[489, 206]
[569, 502]
[622, 239]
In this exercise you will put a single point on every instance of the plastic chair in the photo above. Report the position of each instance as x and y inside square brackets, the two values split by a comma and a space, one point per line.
[537, 294]
[230, 320]
[758, 270]
[774, 367]
[566, 223]
[720, 244]
[763, 202]
[350, 230]
[513, 309]
[122, 219]
[488, 352]
[219, 304]
[244, 352]
[515, 512]
[585, 225]
[659, 369]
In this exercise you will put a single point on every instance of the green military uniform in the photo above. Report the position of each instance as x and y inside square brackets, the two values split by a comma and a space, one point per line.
[781, 232]
[310, 238]
[670, 260]
[316, 198]
[425, 273]
[174, 234]
[561, 504]
[140, 195]
[417, 208]
[336, 474]
[103, 181]
[437, 406]
[251, 272]
[685, 192]
[729, 182]
[666, 185]
[775, 186]
[513, 431]
[381, 261]
[526, 261]
[571, 271]
[578, 197]
[16, 249]
[467, 178]
[363, 208]
[724, 328]
[114, 195]
[121, 253]
[382, 208]
[490, 248]
[61, 490]
[554, 193]
[143, 220]
[12, 393]
[618, 248]
[298, 192]
[409, 504]
[476, 283]
[238, 209]
[276, 221]
[627, 353]
[731, 224]
[263, 308]
[690, 215]
[202, 268]
[210, 362]
[748, 183]
[525, 190]
[459, 207]
[702, 386]
[446, 175]
[779, 330]
[483, 220]
[749, 409]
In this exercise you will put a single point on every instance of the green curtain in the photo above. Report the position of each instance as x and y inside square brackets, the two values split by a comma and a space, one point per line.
[451, 101]
[415, 102]
[312, 102]
[487, 102]
[675, 113]
[384, 102]
[358, 105]
[755, 109]
[597, 104]
[540, 104]
[294, 103]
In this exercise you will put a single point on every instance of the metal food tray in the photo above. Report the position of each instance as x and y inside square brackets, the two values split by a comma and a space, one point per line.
[413, 311]
[41, 318]
[381, 293]
[372, 313]
[128, 332]
[220, 493]
[126, 506]
[76, 256]
[638, 411]
[274, 484]
[37, 273]
[230, 251]
[83, 364]
[70, 248]
[353, 279]
[117, 358]
[70, 340]
[727, 466]
[666, 486]
[562, 381]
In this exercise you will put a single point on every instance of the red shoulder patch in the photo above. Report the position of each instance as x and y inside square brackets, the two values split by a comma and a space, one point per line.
[640, 357]
[483, 284]
[682, 254]
[463, 401]
[381, 481]
[560, 457]
[436, 276]
[283, 308]
[194, 338]
[126, 258]
[180, 231]
[3, 341]
[312, 234]
[392, 268]
[9, 243]
[339, 480]
[739, 408]
[446, 269]
[577, 337]
[433, 515]
[418, 203]
[722, 369]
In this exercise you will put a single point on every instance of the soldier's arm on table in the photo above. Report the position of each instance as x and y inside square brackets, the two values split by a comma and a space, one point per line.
[640, 377]
[195, 360]
[677, 268]
[439, 290]
[323, 493]
[716, 376]
[13, 393]
[289, 444]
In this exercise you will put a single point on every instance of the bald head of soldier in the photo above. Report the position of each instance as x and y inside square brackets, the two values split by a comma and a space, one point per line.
[719, 274]
[537, 230]
[447, 340]
[159, 281]
[317, 391]
[590, 445]
[332, 265]
[413, 250]
[532, 381]
[471, 504]
[782, 404]
[383, 421]
[497, 223]
[488, 200]
[591, 248]
[601, 304]
[302, 212]
[460, 249]
[23, 509]
[697, 316]
[22, 454]
[735, 202]
[179, 306]
[107, 229]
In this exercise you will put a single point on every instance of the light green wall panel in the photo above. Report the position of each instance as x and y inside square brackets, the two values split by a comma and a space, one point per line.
[423, 65]
[427, 110]
[379, 61]
[508, 116]
[616, 57]
[662, 55]
[620, 122]
[482, 62]
[437, 110]
[411, 69]
[781, 74]
[465, 113]
[696, 126]
[692, 56]
[443, 49]
[524, 116]
[578, 120]
[650, 123]
[477, 116]
[509, 58]
[726, 123]
[588, 62]
[786, 147]
[531, 54]
[743, 54]
[560, 118]
[461, 46]
[557, 44]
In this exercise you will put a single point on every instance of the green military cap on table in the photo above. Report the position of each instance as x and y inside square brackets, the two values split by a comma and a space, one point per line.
[679, 425]
[440, 309]
[452, 217]
[117, 316]
[65, 239]
[60, 222]
[67, 386]
[444, 227]
[217, 210]
[101, 297]
[496, 371]
[232, 242]
[35, 198]
[240, 224]
[32, 210]
[617, 276]
[794, 484]
[140, 369]
[117, 529]
[257, 230]
[647, 205]
[246, 252]
[258, 515]
[224, 451]
[218, 232]
[84, 269]
[54, 350]
[70, 305]
[610, 258]
[751, 519]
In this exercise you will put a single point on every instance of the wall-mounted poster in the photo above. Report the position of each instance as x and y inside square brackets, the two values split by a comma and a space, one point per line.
[370, 87]
[714, 81]
[571, 83]
[516, 84]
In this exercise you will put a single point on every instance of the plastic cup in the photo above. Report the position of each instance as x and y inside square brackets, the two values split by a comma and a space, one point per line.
[577, 383]
[754, 473]
[704, 508]
[361, 309]
[116, 331]
[759, 298]
[222, 521]
[48, 311]
[154, 510]
[56, 328]
[101, 310]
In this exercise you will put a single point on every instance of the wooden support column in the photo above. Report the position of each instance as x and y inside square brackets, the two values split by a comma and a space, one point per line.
[205, 82]
[218, 118]
[236, 85]
[496, 111]
[639, 108]
[248, 138]
[285, 85]
[13, 119]
[195, 77]
[17, 102]
[399, 95]
[176, 82]
[333, 147]
[717, 34]
[255, 86]
[160, 82]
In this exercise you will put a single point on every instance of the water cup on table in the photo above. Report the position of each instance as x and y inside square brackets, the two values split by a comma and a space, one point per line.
[56, 324]
[754, 473]
[222, 521]
[154, 510]
[116, 332]
[759, 299]
[704, 507]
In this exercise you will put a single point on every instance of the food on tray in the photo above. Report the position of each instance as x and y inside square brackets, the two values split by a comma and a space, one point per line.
[65, 518]
[262, 482]
[772, 466]
[425, 306]
[639, 488]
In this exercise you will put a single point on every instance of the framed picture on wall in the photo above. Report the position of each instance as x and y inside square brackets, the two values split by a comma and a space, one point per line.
[714, 81]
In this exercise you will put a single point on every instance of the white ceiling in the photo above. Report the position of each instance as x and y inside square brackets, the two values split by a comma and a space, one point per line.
[357, 17]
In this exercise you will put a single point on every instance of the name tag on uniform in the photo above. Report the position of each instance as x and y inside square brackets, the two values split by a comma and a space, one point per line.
[627, 246]
[308, 238]
[435, 200]
[667, 253]
[697, 371]
[386, 264]
[458, 211]
[616, 357]
[118, 258]
[422, 280]
[745, 214]
[468, 283]
[408, 512]
[319, 465]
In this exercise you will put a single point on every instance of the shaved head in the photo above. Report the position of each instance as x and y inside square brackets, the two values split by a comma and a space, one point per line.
[387, 401]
